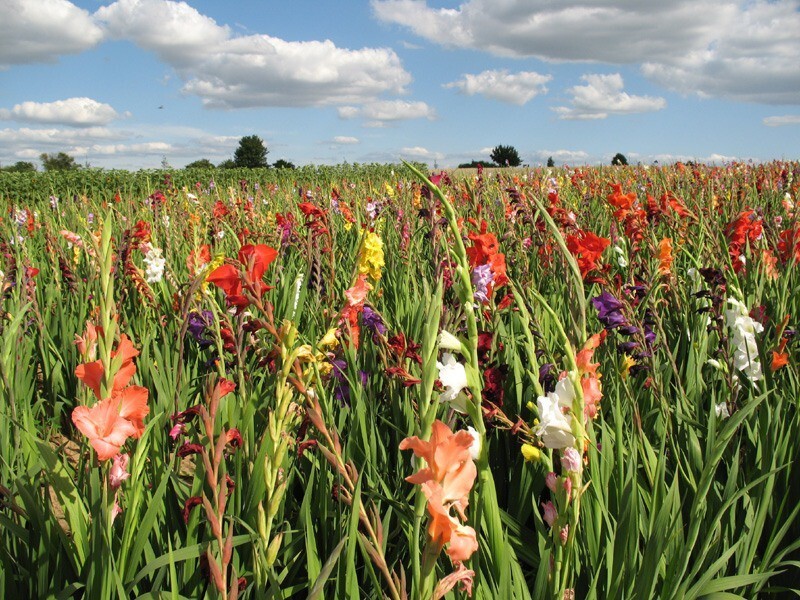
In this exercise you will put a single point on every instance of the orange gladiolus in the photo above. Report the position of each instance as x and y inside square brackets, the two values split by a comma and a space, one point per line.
[665, 257]
[114, 419]
[92, 373]
[446, 483]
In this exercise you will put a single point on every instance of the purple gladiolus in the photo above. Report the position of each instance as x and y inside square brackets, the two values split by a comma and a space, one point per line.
[482, 276]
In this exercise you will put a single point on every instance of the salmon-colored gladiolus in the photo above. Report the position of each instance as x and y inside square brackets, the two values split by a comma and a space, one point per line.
[446, 483]
[121, 415]
[110, 422]
[92, 373]
[590, 378]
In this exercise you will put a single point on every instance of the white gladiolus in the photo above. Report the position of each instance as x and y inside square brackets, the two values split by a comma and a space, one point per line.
[454, 378]
[722, 410]
[154, 264]
[555, 425]
[743, 341]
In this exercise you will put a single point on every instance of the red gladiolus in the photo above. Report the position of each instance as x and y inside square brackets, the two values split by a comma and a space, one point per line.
[254, 260]
[587, 248]
[745, 229]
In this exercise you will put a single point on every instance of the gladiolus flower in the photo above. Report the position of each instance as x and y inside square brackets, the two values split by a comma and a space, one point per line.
[571, 460]
[550, 514]
[453, 376]
[446, 483]
[105, 426]
[555, 419]
[119, 471]
[665, 257]
[587, 248]
[370, 260]
[255, 260]
[530, 453]
[92, 373]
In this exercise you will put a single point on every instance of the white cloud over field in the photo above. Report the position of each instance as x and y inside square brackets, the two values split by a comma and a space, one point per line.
[513, 88]
[602, 96]
[232, 71]
[381, 112]
[782, 120]
[76, 112]
[742, 50]
[33, 31]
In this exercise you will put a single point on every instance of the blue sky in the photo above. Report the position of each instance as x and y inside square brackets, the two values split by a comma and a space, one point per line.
[129, 83]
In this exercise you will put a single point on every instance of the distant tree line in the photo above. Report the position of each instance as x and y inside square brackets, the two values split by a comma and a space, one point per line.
[251, 153]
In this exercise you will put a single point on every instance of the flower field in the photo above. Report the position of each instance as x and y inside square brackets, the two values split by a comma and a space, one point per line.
[380, 382]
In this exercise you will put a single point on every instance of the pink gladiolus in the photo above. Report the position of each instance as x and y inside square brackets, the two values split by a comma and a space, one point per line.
[119, 471]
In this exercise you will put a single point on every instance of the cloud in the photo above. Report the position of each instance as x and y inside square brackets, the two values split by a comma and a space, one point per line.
[129, 148]
[563, 156]
[34, 31]
[780, 121]
[514, 88]
[76, 112]
[420, 153]
[746, 51]
[228, 71]
[345, 140]
[603, 96]
[379, 112]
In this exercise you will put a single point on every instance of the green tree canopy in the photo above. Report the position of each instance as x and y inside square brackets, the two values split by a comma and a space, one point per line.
[551, 162]
[505, 156]
[475, 164]
[58, 162]
[21, 166]
[203, 163]
[251, 153]
[283, 164]
[619, 159]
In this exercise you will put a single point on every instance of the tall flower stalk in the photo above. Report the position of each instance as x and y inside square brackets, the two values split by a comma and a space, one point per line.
[485, 494]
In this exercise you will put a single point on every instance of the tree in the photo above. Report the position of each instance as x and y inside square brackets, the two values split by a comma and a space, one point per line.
[551, 162]
[251, 153]
[506, 156]
[21, 166]
[58, 162]
[283, 164]
[619, 160]
[475, 164]
[203, 163]
[227, 164]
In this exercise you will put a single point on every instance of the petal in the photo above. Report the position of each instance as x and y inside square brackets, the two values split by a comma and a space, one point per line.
[132, 403]
[91, 374]
[226, 278]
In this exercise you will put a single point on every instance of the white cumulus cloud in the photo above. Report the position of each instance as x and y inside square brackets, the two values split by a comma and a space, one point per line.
[229, 71]
[345, 140]
[514, 88]
[602, 96]
[746, 51]
[379, 112]
[779, 121]
[33, 31]
[76, 112]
